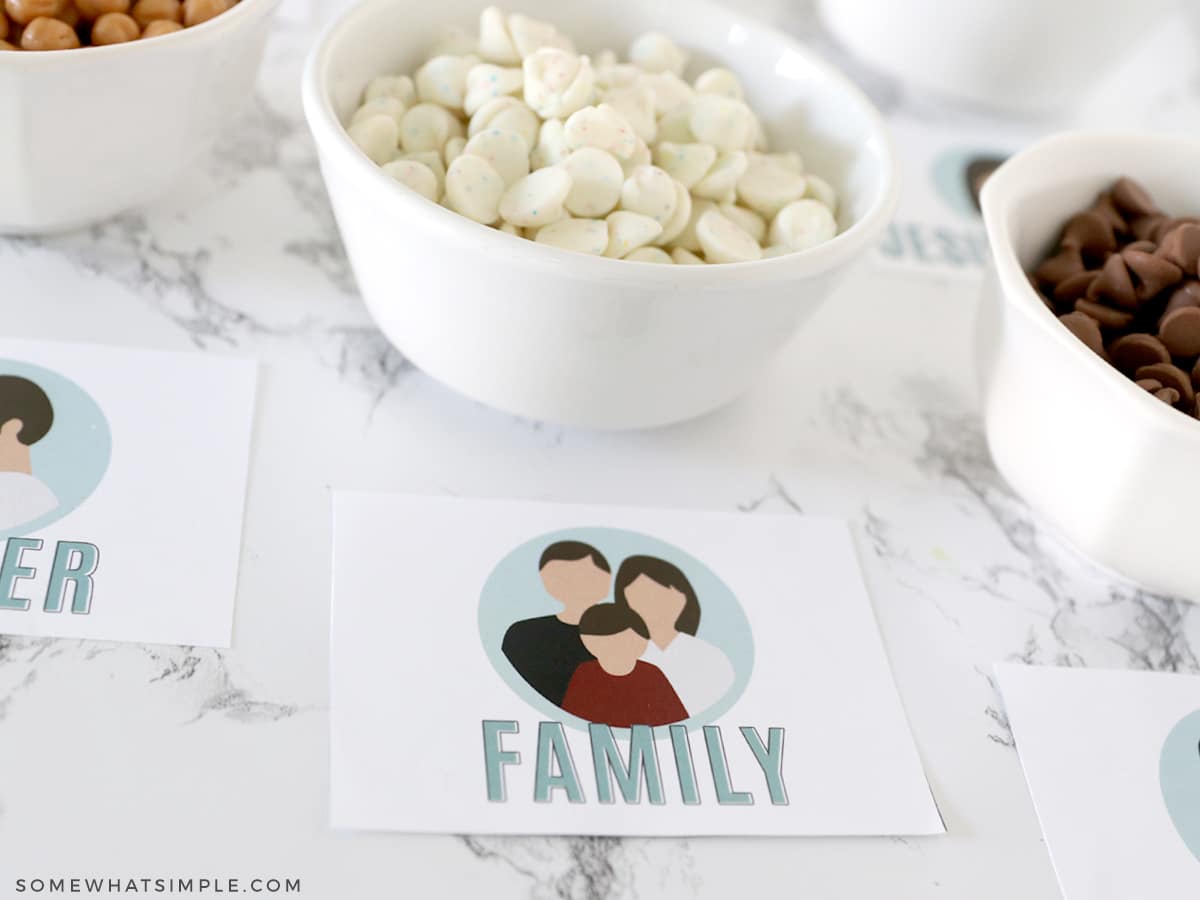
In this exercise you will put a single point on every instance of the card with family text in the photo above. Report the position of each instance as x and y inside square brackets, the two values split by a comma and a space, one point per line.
[1113, 763]
[122, 487]
[533, 668]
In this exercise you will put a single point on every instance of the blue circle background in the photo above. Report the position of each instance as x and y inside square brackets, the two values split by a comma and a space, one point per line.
[74, 455]
[514, 592]
[1179, 775]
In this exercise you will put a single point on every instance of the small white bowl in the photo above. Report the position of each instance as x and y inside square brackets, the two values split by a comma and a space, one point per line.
[89, 133]
[563, 336]
[1114, 469]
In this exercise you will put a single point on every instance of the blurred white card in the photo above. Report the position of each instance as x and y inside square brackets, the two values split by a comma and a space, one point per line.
[1113, 763]
[122, 486]
[531, 668]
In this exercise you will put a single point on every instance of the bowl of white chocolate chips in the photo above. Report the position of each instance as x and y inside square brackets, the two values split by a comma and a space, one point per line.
[569, 231]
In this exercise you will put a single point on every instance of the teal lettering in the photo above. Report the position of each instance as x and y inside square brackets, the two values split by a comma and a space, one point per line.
[726, 795]
[553, 752]
[495, 757]
[770, 758]
[642, 766]
[12, 570]
[684, 765]
[74, 564]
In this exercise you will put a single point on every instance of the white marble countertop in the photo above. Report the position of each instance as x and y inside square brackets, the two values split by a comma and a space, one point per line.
[161, 761]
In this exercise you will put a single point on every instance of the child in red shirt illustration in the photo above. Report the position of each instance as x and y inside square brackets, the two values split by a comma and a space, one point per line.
[617, 688]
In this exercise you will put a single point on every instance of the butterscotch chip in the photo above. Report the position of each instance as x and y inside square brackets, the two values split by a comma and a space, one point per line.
[94, 9]
[1135, 351]
[197, 11]
[1074, 286]
[1112, 319]
[3, 25]
[1153, 273]
[1064, 264]
[45, 33]
[1181, 245]
[25, 11]
[1086, 329]
[1171, 377]
[1115, 283]
[5, 45]
[162, 26]
[115, 28]
[146, 11]
[1131, 198]
[1179, 330]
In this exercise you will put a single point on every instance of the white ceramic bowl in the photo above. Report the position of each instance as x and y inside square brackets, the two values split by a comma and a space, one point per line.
[1115, 469]
[92, 132]
[563, 336]
[1018, 55]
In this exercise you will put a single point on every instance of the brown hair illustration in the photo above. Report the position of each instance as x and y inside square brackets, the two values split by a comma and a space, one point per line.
[21, 399]
[660, 572]
[609, 618]
[573, 551]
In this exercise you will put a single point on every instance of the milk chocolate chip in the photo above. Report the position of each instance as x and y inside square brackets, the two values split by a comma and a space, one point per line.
[1085, 328]
[1179, 330]
[1131, 198]
[1181, 245]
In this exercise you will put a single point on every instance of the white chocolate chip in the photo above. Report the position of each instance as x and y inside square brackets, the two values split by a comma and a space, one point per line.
[557, 82]
[723, 241]
[474, 189]
[596, 179]
[776, 250]
[803, 224]
[720, 183]
[398, 86]
[377, 137]
[746, 219]
[601, 127]
[686, 163]
[650, 255]
[507, 114]
[656, 52]
[767, 187]
[414, 175]
[530, 35]
[453, 149]
[670, 92]
[683, 257]
[627, 231]
[580, 235]
[822, 191]
[486, 81]
[454, 41]
[432, 160]
[636, 105]
[687, 238]
[506, 151]
[495, 44]
[675, 127]
[680, 218]
[428, 126]
[388, 106]
[613, 75]
[443, 80]
[719, 81]
[537, 199]
[551, 147]
[725, 123]
[650, 191]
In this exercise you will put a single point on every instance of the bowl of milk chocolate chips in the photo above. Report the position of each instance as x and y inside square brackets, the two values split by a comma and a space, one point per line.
[1089, 346]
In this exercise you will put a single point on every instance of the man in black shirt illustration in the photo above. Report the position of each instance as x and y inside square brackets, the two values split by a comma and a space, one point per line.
[546, 651]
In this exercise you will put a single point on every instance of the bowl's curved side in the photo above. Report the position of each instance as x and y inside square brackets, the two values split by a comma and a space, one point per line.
[101, 130]
[1104, 462]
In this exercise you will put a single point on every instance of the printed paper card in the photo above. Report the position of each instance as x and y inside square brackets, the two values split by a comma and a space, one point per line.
[122, 486]
[526, 668]
[1113, 763]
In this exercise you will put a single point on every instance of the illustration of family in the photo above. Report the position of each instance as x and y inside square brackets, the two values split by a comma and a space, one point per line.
[633, 661]
[26, 416]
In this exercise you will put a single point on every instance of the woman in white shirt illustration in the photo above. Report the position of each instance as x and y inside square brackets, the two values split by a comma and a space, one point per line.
[26, 415]
[662, 595]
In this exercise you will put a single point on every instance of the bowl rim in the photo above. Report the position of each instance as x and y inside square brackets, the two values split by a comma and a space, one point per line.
[332, 138]
[1010, 182]
[89, 55]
